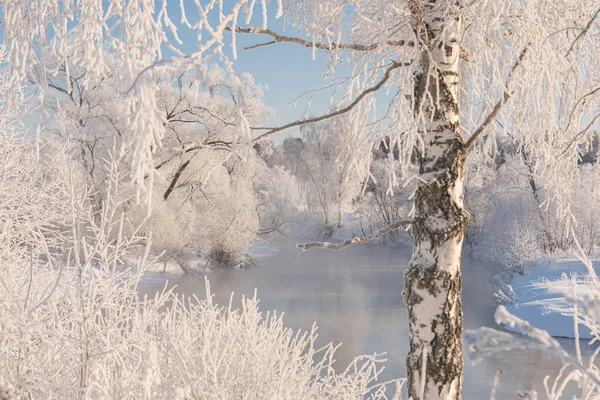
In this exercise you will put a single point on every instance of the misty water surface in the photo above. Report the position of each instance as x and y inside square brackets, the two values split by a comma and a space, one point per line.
[355, 297]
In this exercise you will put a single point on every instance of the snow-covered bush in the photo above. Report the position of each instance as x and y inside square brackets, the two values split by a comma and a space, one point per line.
[78, 328]
[232, 223]
[34, 208]
[245, 353]
[513, 244]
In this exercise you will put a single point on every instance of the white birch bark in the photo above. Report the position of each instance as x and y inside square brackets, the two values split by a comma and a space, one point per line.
[433, 281]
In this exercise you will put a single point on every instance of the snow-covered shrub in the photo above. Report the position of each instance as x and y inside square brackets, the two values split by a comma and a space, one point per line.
[232, 223]
[243, 352]
[514, 245]
[78, 328]
[35, 216]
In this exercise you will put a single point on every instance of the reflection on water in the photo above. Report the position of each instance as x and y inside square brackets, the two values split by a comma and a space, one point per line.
[355, 297]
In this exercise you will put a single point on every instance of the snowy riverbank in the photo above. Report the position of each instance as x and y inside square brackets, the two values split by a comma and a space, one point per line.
[539, 295]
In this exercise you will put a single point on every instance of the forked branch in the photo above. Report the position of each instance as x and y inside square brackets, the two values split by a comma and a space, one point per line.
[503, 100]
[357, 240]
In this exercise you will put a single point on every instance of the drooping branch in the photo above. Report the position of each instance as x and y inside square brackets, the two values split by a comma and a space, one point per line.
[307, 43]
[583, 32]
[579, 135]
[362, 95]
[582, 100]
[505, 97]
[357, 240]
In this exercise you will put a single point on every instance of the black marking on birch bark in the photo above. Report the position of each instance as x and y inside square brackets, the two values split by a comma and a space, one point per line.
[432, 280]
[444, 362]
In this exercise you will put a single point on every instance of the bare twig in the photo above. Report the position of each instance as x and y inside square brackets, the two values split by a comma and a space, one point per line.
[357, 240]
[260, 45]
[307, 43]
[505, 97]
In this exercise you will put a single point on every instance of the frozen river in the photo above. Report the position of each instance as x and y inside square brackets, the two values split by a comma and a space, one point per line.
[355, 297]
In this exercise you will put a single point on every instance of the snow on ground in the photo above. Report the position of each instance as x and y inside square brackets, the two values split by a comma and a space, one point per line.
[540, 295]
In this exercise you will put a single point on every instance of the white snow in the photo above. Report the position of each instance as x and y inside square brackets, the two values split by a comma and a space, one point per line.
[540, 296]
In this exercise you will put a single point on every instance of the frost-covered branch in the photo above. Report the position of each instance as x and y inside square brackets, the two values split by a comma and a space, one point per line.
[486, 341]
[362, 95]
[228, 123]
[357, 240]
[322, 46]
[498, 107]
[583, 32]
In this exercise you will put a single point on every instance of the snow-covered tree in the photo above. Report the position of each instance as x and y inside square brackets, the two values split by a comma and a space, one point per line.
[78, 327]
[278, 200]
[323, 160]
[194, 164]
[528, 65]
[386, 194]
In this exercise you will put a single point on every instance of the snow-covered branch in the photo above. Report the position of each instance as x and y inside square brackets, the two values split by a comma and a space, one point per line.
[486, 341]
[357, 240]
[583, 32]
[362, 95]
[498, 107]
[322, 46]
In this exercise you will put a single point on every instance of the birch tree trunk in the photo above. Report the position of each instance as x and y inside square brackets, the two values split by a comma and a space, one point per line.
[433, 282]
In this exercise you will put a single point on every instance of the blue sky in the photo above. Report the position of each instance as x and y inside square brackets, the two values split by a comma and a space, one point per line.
[287, 69]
